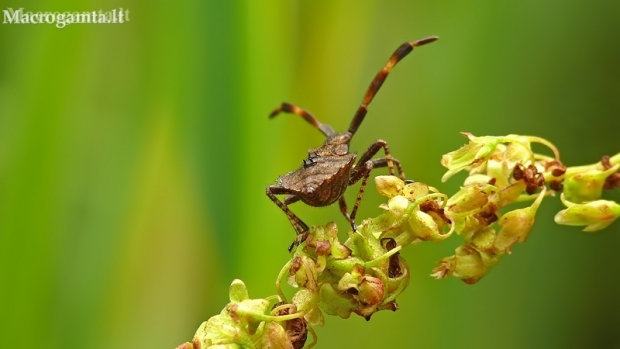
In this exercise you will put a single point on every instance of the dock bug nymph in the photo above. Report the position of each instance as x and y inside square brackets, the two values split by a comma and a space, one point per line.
[329, 169]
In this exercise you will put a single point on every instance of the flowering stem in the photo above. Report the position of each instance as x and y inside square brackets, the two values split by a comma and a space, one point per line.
[549, 145]
[383, 258]
[279, 278]
[595, 166]
[366, 273]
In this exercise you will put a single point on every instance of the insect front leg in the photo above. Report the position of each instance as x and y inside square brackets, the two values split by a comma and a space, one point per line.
[382, 162]
[300, 227]
[359, 172]
[389, 161]
[362, 171]
[345, 212]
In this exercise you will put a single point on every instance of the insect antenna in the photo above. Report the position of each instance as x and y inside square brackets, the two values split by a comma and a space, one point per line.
[293, 109]
[376, 83]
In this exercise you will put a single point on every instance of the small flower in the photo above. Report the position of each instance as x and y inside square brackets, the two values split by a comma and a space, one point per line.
[482, 240]
[467, 263]
[392, 186]
[303, 272]
[471, 155]
[511, 193]
[389, 186]
[250, 313]
[275, 336]
[397, 207]
[505, 158]
[323, 241]
[516, 225]
[426, 227]
[238, 292]
[471, 198]
[333, 302]
[587, 186]
[306, 301]
[242, 322]
[296, 330]
[473, 207]
[371, 290]
[595, 215]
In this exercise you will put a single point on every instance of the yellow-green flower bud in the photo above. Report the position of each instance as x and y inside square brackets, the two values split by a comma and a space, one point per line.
[473, 154]
[349, 281]
[306, 302]
[371, 290]
[249, 312]
[477, 178]
[511, 193]
[482, 240]
[595, 215]
[468, 264]
[472, 198]
[587, 186]
[398, 206]
[238, 291]
[516, 225]
[303, 272]
[219, 330]
[416, 190]
[389, 186]
[274, 336]
[333, 302]
[425, 227]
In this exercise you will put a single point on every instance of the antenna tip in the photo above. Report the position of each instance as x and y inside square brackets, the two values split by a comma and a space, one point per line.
[426, 40]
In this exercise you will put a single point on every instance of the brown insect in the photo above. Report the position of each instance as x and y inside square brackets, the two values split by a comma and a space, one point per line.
[330, 169]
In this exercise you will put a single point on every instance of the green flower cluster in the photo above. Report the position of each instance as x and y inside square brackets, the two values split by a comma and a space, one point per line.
[582, 195]
[505, 170]
[363, 275]
[366, 273]
[251, 323]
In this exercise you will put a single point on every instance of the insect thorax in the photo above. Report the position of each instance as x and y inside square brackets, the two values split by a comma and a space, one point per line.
[321, 180]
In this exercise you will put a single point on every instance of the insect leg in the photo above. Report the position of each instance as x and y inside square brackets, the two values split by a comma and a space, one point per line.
[300, 227]
[345, 211]
[291, 199]
[382, 162]
[389, 161]
[359, 172]
[363, 168]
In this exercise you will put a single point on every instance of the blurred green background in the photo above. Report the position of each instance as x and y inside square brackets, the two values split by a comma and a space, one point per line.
[134, 159]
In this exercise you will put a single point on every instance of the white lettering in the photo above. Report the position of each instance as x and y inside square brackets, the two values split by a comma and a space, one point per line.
[62, 19]
[101, 17]
[26, 17]
[83, 17]
[11, 15]
[35, 18]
